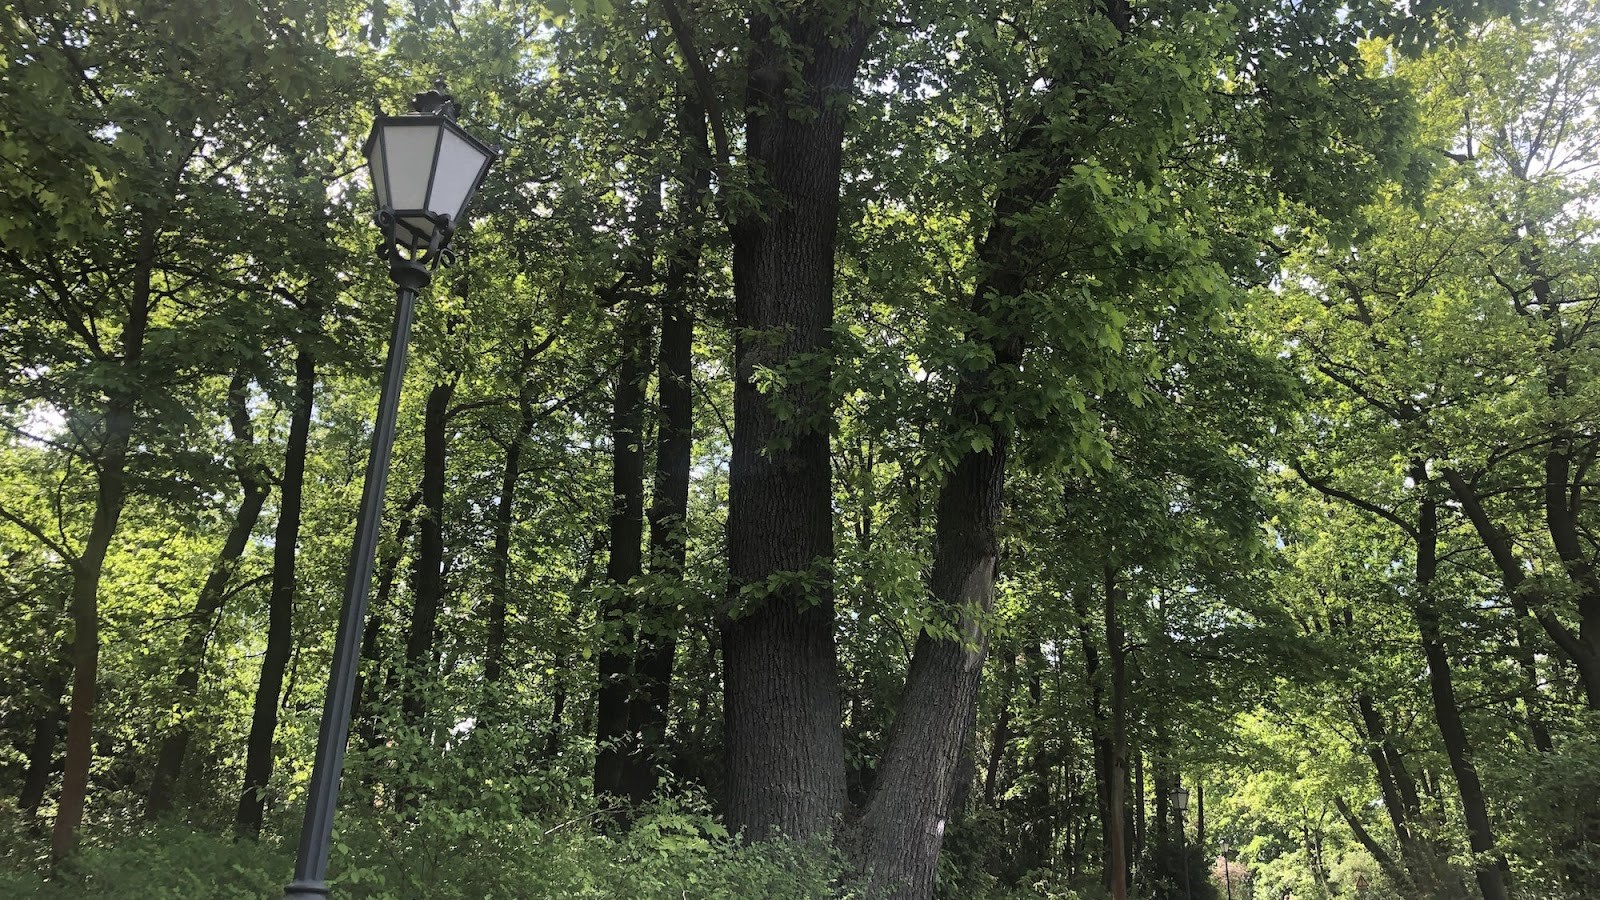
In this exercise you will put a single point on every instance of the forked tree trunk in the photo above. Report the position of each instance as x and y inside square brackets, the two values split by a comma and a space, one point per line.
[1581, 647]
[783, 742]
[111, 494]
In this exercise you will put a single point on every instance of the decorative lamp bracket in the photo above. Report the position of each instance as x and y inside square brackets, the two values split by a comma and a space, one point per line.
[410, 256]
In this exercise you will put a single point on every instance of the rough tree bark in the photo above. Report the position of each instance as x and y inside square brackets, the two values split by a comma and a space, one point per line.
[784, 748]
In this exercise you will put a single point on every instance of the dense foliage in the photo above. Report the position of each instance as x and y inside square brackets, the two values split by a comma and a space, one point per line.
[1073, 448]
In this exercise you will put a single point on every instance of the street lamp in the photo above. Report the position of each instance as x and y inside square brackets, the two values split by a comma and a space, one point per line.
[424, 170]
[1180, 805]
[1180, 800]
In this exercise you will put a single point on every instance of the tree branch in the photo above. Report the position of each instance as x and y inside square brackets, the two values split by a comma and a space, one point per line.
[38, 533]
[702, 79]
[1323, 487]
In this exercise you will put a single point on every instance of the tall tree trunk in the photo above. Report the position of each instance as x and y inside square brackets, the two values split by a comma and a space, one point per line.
[260, 749]
[111, 491]
[427, 594]
[1116, 851]
[784, 747]
[669, 502]
[619, 609]
[254, 484]
[500, 559]
[1494, 876]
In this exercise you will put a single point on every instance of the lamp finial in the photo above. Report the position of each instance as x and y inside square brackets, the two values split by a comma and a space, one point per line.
[437, 102]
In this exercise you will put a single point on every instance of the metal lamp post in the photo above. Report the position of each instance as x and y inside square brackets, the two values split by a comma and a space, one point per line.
[424, 170]
[1227, 869]
[1180, 805]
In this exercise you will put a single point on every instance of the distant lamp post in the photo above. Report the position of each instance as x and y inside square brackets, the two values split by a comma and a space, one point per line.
[1227, 869]
[424, 170]
[1180, 805]
[1180, 800]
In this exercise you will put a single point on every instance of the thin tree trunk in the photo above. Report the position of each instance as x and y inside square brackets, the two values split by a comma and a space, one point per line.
[1116, 855]
[428, 564]
[1528, 669]
[1033, 850]
[1099, 730]
[500, 558]
[1397, 877]
[1139, 822]
[260, 750]
[558, 698]
[1002, 728]
[614, 740]
[1494, 876]
[783, 744]
[42, 749]
[669, 503]
[255, 487]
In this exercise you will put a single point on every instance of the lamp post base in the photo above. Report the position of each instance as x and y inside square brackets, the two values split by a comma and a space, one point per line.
[306, 889]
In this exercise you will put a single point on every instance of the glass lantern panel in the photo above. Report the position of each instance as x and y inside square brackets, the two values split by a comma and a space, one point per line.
[379, 175]
[461, 162]
[407, 153]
